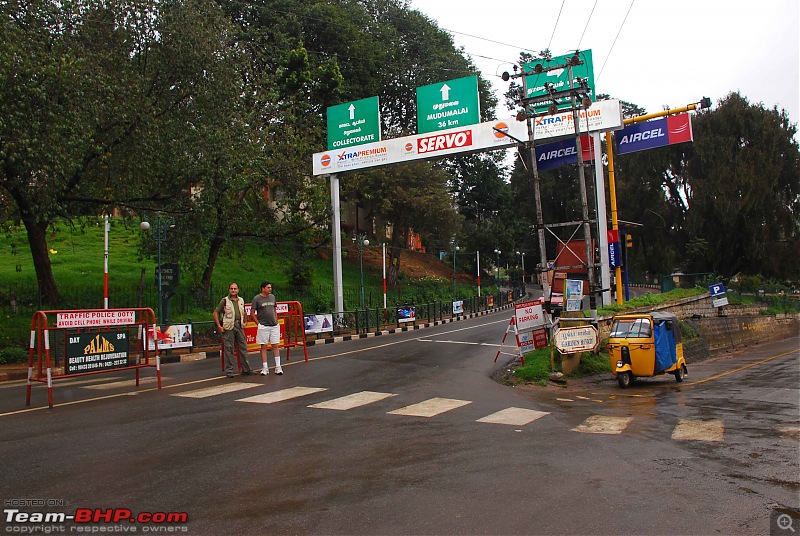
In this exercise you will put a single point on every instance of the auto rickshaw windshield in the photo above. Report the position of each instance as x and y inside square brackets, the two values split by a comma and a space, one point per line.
[625, 328]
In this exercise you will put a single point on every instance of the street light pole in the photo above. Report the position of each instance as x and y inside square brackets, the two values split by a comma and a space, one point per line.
[522, 254]
[159, 235]
[497, 266]
[455, 250]
[361, 242]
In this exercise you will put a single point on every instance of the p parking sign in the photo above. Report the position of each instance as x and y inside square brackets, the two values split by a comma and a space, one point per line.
[716, 289]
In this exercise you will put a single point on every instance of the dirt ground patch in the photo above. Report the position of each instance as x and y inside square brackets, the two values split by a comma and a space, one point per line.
[414, 264]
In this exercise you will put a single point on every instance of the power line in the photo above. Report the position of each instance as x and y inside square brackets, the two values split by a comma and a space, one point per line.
[615, 42]
[587, 26]
[556, 26]
[489, 40]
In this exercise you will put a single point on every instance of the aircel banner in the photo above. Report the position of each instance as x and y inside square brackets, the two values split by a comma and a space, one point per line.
[491, 135]
[561, 153]
[656, 133]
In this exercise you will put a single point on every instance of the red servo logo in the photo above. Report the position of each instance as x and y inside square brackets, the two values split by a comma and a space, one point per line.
[441, 142]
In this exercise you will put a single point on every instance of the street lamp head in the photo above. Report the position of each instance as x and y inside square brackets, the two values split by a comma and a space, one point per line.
[144, 226]
[457, 248]
[366, 242]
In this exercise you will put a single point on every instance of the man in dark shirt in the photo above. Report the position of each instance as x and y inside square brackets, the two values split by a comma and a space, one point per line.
[262, 311]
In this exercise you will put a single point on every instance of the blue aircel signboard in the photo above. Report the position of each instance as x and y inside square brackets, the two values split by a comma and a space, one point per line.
[562, 153]
[614, 253]
[655, 133]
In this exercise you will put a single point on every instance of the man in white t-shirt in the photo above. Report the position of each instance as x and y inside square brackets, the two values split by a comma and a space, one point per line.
[262, 311]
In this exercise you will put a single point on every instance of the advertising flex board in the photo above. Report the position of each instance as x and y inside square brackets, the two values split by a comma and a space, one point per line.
[614, 253]
[354, 123]
[656, 133]
[562, 153]
[449, 104]
[488, 136]
[90, 352]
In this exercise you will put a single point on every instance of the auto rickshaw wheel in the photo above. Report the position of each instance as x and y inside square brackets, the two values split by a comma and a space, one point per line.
[624, 379]
[679, 374]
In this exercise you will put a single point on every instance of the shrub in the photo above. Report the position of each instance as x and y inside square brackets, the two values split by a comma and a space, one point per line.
[13, 354]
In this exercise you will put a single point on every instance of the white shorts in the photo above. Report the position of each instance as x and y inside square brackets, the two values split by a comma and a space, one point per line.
[268, 334]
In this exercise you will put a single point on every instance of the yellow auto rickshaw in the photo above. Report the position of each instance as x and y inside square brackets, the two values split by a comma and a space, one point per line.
[646, 344]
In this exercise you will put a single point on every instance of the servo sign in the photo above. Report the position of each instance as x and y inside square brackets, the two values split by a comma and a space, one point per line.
[441, 142]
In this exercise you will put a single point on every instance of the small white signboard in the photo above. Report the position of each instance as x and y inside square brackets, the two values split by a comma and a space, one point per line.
[576, 339]
[528, 316]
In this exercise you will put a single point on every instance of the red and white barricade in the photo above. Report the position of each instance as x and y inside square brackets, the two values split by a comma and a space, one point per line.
[68, 343]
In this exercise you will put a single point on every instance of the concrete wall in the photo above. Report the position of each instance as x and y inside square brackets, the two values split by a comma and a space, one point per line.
[743, 325]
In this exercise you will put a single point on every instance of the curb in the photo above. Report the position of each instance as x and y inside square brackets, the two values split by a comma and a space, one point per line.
[22, 374]
[344, 338]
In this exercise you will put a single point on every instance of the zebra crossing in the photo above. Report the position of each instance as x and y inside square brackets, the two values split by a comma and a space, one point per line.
[685, 430]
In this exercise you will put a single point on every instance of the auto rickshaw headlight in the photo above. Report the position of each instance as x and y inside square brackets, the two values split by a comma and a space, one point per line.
[619, 363]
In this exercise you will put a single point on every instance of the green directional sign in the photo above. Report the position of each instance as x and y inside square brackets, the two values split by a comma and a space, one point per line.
[535, 83]
[354, 123]
[448, 104]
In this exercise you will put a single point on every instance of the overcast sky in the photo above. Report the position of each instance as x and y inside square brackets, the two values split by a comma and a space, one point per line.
[649, 52]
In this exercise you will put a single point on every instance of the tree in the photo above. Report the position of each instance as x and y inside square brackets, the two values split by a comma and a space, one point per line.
[411, 196]
[96, 98]
[743, 191]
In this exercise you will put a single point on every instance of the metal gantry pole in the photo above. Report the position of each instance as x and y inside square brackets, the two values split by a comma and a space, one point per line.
[159, 238]
[587, 230]
[336, 232]
[537, 195]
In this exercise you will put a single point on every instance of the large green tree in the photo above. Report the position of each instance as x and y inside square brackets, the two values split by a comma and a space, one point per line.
[743, 192]
[726, 203]
[98, 100]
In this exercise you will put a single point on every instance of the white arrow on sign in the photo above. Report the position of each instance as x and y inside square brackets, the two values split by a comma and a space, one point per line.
[352, 112]
[445, 92]
[555, 73]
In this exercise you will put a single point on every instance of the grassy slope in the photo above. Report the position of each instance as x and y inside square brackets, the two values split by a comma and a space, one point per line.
[77, 260]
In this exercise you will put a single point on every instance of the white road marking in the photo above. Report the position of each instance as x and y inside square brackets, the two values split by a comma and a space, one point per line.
[688, 430]
[430, 407]
[218, 390]
[461, 342]
[514, 416]
[283, 394]
[599, 424]
[123, 383]
[352, 401]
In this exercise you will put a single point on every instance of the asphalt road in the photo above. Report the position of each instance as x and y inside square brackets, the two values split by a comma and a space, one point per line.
[408, 434]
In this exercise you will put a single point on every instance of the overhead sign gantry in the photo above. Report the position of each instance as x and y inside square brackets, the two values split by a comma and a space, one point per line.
[447, 126]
